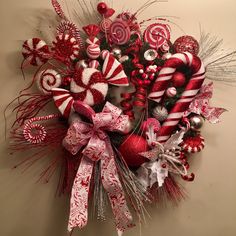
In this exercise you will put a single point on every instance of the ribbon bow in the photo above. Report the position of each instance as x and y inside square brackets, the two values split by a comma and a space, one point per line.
[95, 141]
[200, 105]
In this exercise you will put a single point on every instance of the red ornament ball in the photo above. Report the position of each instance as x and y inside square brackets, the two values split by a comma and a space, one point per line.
[178, 79]
[186, 44]
[102, 8]
[130, 149]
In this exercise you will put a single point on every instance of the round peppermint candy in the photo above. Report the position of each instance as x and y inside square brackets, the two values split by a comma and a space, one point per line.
[89, 86]
[156, 35]
[47, 80]
[93, 51]
[119, 32]
[171, 92]
[35, 51]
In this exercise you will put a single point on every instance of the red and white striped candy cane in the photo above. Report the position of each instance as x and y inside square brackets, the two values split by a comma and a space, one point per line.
[161, 84]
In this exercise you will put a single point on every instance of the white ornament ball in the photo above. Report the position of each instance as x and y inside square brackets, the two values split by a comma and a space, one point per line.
[171, 92]
[160, 113]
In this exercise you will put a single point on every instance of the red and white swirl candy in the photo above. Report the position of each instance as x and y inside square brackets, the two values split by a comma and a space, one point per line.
[156, 35]
[63, 101]
[36, 133]
[89, 86]
[35, 51]
[120, 32]
[47, 80]
[93, 51]
[171, 92]
[193, 144]
[113, 70]
[161, 84]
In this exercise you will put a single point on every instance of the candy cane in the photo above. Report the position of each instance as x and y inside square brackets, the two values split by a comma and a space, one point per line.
[161, 84]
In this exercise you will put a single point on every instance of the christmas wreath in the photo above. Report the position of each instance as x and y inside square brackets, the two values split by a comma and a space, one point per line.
[130, 104]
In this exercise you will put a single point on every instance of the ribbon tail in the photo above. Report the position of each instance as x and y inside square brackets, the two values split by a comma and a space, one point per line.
[79, 195]
[112, 185]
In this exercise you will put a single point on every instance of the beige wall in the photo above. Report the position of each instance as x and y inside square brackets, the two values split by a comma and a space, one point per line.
[31, 209]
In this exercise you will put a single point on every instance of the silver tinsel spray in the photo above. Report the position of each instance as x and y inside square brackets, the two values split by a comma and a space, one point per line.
[221, 65]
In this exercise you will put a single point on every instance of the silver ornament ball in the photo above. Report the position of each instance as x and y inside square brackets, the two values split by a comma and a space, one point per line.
[166, 56]
[196, 122]
[150, 55]
[116, 52]
[160, 113]
[81, 64]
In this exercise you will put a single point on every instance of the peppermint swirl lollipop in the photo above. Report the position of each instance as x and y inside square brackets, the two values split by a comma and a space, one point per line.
[47, 80]
[120, 32]
[105, 24]
[156, 35]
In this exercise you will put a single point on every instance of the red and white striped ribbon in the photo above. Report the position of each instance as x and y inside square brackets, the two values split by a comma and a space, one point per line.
[161, 84]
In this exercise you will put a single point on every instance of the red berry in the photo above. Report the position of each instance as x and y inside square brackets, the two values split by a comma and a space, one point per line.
[163, 166]
[178, 79]
[66, 81]
[140, 82]
[102, 8]
[144, 75]
[146, 82]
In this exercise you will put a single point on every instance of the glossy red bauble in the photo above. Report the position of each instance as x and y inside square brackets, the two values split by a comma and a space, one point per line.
[130, 149]
[102, 8]
[178, 79]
